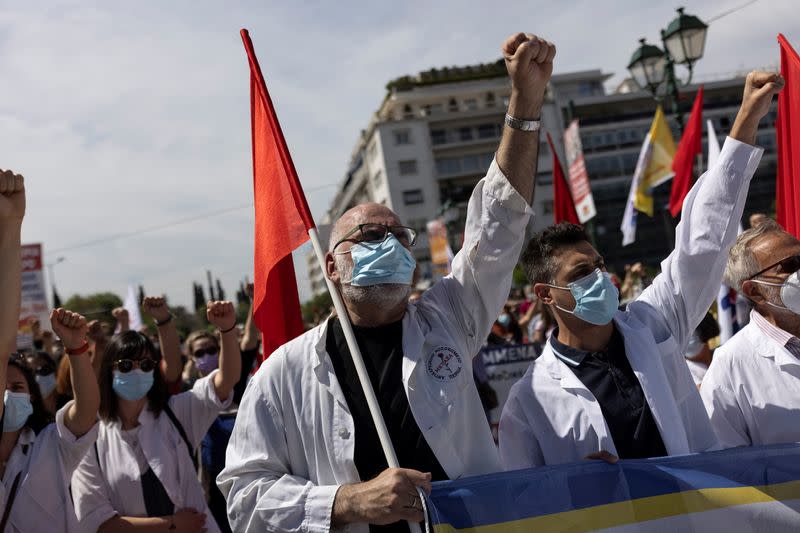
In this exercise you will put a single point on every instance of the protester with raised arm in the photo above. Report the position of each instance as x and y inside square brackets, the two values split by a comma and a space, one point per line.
[141, 475]
[615, 383]
[305, 455]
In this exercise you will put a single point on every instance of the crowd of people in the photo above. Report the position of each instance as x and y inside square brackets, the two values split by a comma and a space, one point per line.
[126, 431]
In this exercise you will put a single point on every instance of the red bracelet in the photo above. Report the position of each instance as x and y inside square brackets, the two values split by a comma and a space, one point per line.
[78, 351]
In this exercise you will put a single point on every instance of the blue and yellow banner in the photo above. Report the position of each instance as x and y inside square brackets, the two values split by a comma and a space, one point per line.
[739, 490]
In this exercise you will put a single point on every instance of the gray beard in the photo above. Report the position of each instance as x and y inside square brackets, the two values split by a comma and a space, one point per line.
[384, 295]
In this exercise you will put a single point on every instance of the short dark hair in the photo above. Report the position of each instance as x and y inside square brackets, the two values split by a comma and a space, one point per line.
[538, 259]
[40, 418]
[130, 345]
[708, 328]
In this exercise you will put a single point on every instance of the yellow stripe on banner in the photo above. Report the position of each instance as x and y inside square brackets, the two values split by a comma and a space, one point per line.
[640, 510]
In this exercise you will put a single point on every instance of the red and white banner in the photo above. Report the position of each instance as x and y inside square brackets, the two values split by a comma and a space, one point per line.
[33, 303]
[578, 177]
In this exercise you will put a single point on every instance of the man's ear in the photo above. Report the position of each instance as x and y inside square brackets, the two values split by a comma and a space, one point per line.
[330, 268]
[750, 291]
[542, 292]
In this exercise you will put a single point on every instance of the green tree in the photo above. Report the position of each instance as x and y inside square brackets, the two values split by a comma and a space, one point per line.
[316, 308]
[95, 306]
[519, 278]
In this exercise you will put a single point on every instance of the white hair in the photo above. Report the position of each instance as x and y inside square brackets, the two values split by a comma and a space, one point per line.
[742, 263]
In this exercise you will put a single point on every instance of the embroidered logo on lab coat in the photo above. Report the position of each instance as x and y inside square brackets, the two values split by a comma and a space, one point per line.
[444, 364]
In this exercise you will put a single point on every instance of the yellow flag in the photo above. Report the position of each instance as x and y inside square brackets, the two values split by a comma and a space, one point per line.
[660, 148]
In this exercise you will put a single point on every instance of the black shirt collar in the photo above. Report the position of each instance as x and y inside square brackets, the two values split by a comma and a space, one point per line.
[574, 356]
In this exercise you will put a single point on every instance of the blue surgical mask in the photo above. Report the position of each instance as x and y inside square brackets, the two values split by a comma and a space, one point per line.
[17, 408]
[47, 384]
[596, 298]
[207, 363]
[133, 385]
[504, 320]
[387, 261]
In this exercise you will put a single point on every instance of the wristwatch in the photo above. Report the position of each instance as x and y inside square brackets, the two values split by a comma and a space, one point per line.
[522, 124]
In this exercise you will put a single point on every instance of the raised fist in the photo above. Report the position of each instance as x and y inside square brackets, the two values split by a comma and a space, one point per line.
[121, 315]
[759, 88]
[221, 314]
[249, 289]
[96, 333]
[156, 307]
[12, 195]
[70, 327]
[529, 61]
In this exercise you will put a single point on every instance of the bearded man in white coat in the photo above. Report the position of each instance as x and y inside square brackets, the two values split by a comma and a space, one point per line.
[614, 384]
[752, 388]
[304, 454]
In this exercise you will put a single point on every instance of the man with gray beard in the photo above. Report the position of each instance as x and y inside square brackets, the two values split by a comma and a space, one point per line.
[305, 455]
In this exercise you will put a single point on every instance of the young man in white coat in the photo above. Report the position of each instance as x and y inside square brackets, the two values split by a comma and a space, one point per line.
[752, 389]
[304, 455]
[614, 383]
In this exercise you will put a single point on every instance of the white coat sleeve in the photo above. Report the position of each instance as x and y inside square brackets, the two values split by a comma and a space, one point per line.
[198, 407]
[90, 494]
[72, 448]
[519, 447]
[261, 491]
[691, 275]
[478, 285]
[724, 411]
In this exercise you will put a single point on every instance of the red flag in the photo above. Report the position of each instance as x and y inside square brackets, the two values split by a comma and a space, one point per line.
[563, 205]
[685, 156]
[282, 218]
[787, 131]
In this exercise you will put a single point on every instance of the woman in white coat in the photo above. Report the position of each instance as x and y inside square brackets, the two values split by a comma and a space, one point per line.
[141, 475]
[37, 454]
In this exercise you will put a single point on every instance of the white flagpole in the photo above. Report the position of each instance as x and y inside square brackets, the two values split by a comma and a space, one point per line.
[361, 369]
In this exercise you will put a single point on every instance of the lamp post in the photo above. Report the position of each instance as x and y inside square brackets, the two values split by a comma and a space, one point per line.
[684, 42]
[52, 277]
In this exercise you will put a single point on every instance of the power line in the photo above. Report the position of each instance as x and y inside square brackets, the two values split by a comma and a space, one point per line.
[135, 233]
[731, 11]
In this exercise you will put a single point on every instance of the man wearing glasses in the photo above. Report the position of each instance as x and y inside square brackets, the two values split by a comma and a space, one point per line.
[304, 455]
[752, 389]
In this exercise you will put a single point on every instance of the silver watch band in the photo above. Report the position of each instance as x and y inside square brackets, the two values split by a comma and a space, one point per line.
[522, 125]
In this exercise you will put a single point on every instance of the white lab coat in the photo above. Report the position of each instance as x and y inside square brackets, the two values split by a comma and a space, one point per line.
[293, 443]
[42, 502]
[551, 417]
[752, 391]
[93, 487]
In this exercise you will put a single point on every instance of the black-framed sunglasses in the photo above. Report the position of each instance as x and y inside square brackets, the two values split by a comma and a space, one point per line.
[375, 233]
[206, 351]
[789, 265]
[126, 365]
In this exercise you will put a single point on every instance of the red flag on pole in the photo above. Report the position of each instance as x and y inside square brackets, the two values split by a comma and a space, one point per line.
[563, 205]
[787, 131]
[685, 156]
[282, 218]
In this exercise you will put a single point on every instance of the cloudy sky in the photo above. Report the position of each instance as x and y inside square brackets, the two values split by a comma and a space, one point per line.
[126, 116]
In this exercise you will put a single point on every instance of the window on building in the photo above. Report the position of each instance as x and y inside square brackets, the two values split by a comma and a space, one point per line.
[408, 112]
[465, 134]
[452, 105]
[402, 137]
[407, 167]
[487, 131]
[490, 100]
[448, 165]
[470, 163]
[470, 104]
[413, 197]
[433, 109]
[438, 137]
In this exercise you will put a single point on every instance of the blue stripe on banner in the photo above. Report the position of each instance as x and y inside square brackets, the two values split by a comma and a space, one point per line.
[509, 496]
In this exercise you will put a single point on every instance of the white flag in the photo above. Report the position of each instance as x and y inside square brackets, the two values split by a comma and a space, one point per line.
[132, 305]
[628, 225]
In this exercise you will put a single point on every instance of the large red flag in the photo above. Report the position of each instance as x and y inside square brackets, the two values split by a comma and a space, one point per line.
[685, 155]
[787, 131]
[282, 218]
[563, 205]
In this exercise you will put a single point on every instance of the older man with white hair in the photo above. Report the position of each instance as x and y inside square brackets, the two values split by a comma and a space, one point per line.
[752, 389]
[305, 455]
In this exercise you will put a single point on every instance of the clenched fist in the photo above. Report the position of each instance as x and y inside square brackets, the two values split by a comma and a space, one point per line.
[12, 196]
[156, 307]
[529, 61]
[70, 327]
[221, 314]
[121, 314]
[759, 88]
[389, 498]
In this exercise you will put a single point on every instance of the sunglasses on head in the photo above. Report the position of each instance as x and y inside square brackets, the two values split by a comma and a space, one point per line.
[126, 365]
[205, 351]
[789, 265]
